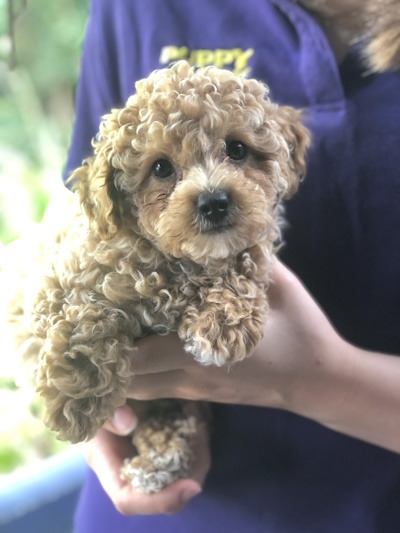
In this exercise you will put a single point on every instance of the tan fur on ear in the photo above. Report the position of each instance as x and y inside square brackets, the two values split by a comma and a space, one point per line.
[372, 23]
[297, 138]
[382, 39]
[94, 183]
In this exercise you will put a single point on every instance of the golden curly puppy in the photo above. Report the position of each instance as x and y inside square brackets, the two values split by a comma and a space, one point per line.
[180, 218]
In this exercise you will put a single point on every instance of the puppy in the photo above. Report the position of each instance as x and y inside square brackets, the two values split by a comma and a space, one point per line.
[179, 217]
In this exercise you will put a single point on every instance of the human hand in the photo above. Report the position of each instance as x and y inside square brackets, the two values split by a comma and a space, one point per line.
[301, 365]
[111, 445]
[290, 368]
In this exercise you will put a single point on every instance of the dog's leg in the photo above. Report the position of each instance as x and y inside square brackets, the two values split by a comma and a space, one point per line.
[84, 368]
[163, 443]
[226, 322]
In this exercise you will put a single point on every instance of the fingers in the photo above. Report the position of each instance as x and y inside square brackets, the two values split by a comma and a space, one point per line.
[105, 454]
[158, 354]
[204, 384]
[124, 421]
[165, 384]
[202, 455]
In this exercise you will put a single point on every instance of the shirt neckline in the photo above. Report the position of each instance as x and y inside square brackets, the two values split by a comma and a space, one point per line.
[318, 69]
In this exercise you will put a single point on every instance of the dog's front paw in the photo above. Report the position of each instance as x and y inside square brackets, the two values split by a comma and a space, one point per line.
[218, 335]
[80, 393]
[208, 353]
[229, 346]
[76, 419]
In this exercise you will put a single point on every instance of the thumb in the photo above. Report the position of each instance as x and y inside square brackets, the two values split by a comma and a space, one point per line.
[123, 422]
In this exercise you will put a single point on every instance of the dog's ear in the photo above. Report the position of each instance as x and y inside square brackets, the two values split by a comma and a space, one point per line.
[297, 139]
[382, 38]
[94, 183]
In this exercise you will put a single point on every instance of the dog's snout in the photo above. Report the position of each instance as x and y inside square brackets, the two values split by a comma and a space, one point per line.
[213, 206]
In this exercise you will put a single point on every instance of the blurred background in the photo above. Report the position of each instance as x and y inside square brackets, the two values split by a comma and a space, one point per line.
[40, 44]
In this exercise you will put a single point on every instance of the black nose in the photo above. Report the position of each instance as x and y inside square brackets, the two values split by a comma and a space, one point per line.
[213, 206]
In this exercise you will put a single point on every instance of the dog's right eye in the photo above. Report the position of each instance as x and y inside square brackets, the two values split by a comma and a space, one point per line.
[162, 169]
[236, 150]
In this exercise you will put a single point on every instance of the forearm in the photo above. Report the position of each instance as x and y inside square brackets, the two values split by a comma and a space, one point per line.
[357, 393]
[370, 410]
[301, 365]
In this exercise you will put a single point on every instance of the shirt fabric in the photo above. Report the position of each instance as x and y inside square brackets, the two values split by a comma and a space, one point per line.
[273, 471]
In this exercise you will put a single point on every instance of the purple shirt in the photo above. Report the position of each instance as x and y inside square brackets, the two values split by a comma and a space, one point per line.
[273, 471]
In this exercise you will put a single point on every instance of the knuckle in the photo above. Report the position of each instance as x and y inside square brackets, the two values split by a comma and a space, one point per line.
[141, 395]
[122, 507]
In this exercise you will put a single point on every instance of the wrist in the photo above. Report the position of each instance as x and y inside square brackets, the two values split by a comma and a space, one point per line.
[321, 390]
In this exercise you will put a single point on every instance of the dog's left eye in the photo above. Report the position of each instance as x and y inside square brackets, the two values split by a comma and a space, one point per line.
[162, 169]
[236, 150]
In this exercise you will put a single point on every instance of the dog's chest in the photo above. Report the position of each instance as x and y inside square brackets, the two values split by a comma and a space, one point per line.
[159, 300]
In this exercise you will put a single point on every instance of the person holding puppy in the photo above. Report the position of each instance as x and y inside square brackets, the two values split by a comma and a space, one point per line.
[305, 433]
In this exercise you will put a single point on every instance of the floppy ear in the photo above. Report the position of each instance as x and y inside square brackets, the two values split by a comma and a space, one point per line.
[94, 184]
[297, 139]
[382, 38]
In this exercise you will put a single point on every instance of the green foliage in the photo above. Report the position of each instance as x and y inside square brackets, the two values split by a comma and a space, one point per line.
[9, 459]
[8, 384]
[23, 438]
[36, 104]
[36, 113]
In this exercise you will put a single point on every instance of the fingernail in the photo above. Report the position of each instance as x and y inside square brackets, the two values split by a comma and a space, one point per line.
[124, 420]
[189, 494]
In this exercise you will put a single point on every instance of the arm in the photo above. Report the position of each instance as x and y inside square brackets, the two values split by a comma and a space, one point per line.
[368, 407]
[345, 388]
[301, 365]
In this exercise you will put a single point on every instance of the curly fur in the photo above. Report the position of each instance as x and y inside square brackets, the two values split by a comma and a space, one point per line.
[138, 258]
[375, 24]
[382, 38]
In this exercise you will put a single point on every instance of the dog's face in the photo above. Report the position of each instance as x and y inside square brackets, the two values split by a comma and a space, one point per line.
[199, 159]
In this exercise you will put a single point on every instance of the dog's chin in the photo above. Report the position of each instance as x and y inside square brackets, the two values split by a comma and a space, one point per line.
[209, 244]
[214, 245]
[217, 230]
